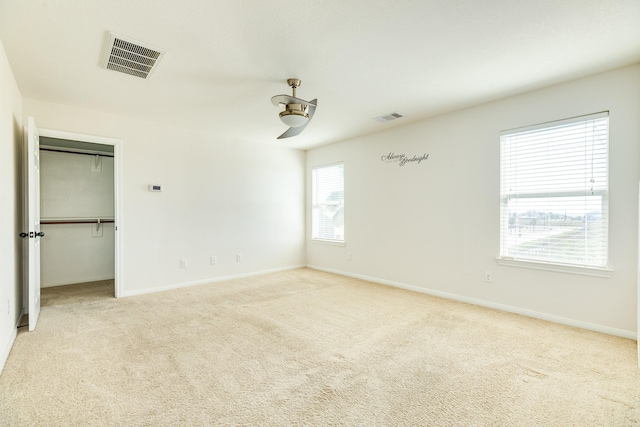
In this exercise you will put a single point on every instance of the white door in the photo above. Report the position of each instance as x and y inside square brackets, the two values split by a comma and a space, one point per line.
[32, 177]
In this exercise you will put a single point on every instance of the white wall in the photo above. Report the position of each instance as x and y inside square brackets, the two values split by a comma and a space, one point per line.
[71, 188]
[435, 226]
[221, 197]
[10, 206]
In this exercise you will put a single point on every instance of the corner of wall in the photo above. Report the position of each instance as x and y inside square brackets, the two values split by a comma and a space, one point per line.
[11, 141]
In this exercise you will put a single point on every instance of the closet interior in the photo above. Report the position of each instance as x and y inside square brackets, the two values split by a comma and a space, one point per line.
[76, 212]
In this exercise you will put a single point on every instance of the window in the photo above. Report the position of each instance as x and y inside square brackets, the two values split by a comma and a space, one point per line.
[327, 218]
[554, 192]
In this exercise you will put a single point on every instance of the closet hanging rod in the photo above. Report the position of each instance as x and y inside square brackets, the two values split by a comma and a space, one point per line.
[76, 221]
[77, 152]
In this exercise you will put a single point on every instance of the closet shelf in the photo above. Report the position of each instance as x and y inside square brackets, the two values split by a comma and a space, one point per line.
[75, 220]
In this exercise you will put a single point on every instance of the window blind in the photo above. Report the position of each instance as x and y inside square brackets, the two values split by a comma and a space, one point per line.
[554, 192]
[327, 218]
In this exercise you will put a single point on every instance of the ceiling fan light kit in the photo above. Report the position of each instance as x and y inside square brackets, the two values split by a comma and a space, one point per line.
[294, 115]
[297, 112]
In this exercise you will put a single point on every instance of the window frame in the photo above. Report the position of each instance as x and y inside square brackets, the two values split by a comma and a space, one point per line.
[315, 205]
[555, 265]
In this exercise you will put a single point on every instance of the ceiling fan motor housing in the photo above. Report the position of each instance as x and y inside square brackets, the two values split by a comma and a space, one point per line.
[294, 115]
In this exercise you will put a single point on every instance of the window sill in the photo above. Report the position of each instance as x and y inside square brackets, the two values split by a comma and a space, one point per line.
[328, 242]
[560, 268]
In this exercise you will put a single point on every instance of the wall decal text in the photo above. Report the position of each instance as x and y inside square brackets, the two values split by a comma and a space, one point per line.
[402, 159]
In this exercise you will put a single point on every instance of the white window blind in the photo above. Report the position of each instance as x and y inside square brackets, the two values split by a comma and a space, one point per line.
[554, 192]
[327, 218]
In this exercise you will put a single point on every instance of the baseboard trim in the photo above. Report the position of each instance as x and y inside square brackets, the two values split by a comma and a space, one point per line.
[74, 281]
[483, 303]
[207, 281]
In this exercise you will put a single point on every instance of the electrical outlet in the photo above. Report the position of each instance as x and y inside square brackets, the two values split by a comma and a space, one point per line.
[488, 276]
[348, 256]
[184, 263]
[214, 260]
[238, 257]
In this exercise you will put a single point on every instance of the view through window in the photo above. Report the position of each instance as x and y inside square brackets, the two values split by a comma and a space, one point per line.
[554, 192]
[327, 218]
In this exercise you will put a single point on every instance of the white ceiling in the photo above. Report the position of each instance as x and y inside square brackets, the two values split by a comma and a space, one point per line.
[225, 59]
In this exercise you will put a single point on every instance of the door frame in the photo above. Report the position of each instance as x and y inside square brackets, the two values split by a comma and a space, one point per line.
[117, 190]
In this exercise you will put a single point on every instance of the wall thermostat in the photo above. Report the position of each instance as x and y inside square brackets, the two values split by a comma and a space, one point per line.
[155, 187]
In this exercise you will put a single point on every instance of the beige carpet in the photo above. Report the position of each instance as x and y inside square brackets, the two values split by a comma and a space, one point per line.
[305, 347]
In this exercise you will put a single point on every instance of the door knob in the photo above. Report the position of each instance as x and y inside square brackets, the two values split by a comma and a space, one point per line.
[32, 234]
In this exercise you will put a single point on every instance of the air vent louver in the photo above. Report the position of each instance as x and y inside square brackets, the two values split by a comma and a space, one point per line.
[388, 117]
[130, 57]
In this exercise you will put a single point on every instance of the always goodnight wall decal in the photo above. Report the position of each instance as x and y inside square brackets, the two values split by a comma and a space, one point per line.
[402, 159]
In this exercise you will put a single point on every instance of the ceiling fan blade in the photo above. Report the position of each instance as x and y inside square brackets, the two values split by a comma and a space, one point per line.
[287, 99]
[298, 130]
[293, 132]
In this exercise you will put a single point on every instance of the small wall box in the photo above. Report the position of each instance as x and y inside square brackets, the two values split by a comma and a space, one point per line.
[155, 187]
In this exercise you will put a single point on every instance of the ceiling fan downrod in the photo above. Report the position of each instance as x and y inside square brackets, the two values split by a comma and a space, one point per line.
[294, 84]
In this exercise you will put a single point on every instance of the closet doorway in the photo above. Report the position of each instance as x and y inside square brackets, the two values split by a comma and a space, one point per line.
[79, 212]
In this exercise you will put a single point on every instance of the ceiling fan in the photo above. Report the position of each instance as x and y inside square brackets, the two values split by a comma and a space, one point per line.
[297, 112]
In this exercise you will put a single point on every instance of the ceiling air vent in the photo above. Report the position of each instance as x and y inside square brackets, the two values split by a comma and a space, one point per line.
[130, 56]
[387, 117]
